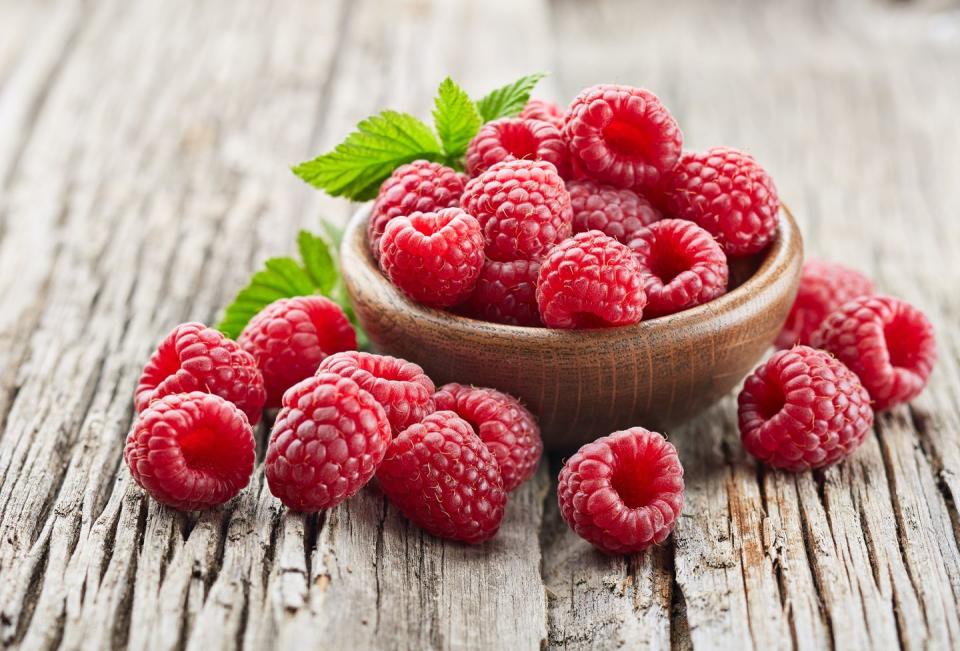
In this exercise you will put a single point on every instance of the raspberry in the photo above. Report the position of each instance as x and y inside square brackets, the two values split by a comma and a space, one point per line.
[726, 192]
[824, 287]
[803, 409]
[400, 386]
[441, 476]
[887, 342]
[194, 357]
[523, 207]
[622, 136]
[433, 257]
[508, 430]
[590, 281]
[326, 443]
[541, 109]
[191, 450]
[617, 213]
[507, 293]
[681, 264]
[291, 336]
[514, 139]
[623, 492]
[420, 186]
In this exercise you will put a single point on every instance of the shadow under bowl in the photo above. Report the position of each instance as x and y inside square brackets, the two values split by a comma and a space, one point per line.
[582, 384]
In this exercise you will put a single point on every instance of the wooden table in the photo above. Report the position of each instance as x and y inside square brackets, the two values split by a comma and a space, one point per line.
[144, 153]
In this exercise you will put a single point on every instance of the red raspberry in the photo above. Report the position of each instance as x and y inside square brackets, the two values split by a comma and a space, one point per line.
[617, 213]
[886, 341]
[505, 426]
[803, 409]
[433, 257]
[420, 186]
[507, 293]
[681, 264]
[824, 287]
[400, 386]
[623, 492]
[623, 136]
[726, 192]
[590, 281]
[191, 450]
[291, 336]
[441, 476]
[196, 358]
[523, 207]
[514, 139]
[541, 109]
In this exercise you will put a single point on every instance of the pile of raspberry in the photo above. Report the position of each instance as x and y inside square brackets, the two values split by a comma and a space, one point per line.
[588, 217]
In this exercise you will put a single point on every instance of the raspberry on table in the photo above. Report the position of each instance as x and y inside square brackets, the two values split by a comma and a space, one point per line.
[400, 386]
[590, 281]
[439, 474]
[623, 136]
[887, 342]
[191, 450]
[194, 357]
[616, 212]
[541, 109]
[681, 264]
[523, 208]
[824, 287]
[515, 139]
[433, 257]
[803, 409]
[327, 442]
[623, 492]
[725, 191]
[506, 293]
[291, 336]
[420, 186]
[505, 426]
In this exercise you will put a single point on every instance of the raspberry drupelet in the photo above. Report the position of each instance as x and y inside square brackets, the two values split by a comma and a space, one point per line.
[433, 257]
[291, 336]
[824, 287]
[194, 357]
[400, 386]
[725, 191]
[505, 426]
[517, 139]
[523, 208]
[439, 474]
[327, 442]
[803, 409]
[191, 450]
[541, 109]
[623, 492]
[623, 136]
[420, 186]
[590, 281]
[619, 213]
[681, 264]
[506, 293]
[887, 342]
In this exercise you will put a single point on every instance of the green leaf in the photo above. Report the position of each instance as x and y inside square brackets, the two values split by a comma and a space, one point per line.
[318, 261]
[509, 100]
[358, 165]
[281, 278]
[455, 118]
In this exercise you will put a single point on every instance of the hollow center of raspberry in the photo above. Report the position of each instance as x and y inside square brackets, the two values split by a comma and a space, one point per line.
[901, 346]
[205, 450]
[666, 263]
[634, 486]
[771, 401]
[519, 141]
[627, 138]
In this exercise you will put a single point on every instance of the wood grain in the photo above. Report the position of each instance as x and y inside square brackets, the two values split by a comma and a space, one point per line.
[144, 153]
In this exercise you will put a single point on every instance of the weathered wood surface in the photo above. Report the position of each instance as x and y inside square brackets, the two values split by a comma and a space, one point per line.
[143, 173]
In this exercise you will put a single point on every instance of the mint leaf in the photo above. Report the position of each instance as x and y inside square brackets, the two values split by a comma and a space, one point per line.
[508, 101]
[318, 261]
[358, 165]
[456, 120]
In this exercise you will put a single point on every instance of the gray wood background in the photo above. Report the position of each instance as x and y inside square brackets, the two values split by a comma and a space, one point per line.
[144, 153]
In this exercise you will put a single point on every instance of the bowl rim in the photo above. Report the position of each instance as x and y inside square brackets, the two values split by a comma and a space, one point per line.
[776, 260]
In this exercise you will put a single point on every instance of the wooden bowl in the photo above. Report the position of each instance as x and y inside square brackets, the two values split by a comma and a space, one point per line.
[582, 384]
